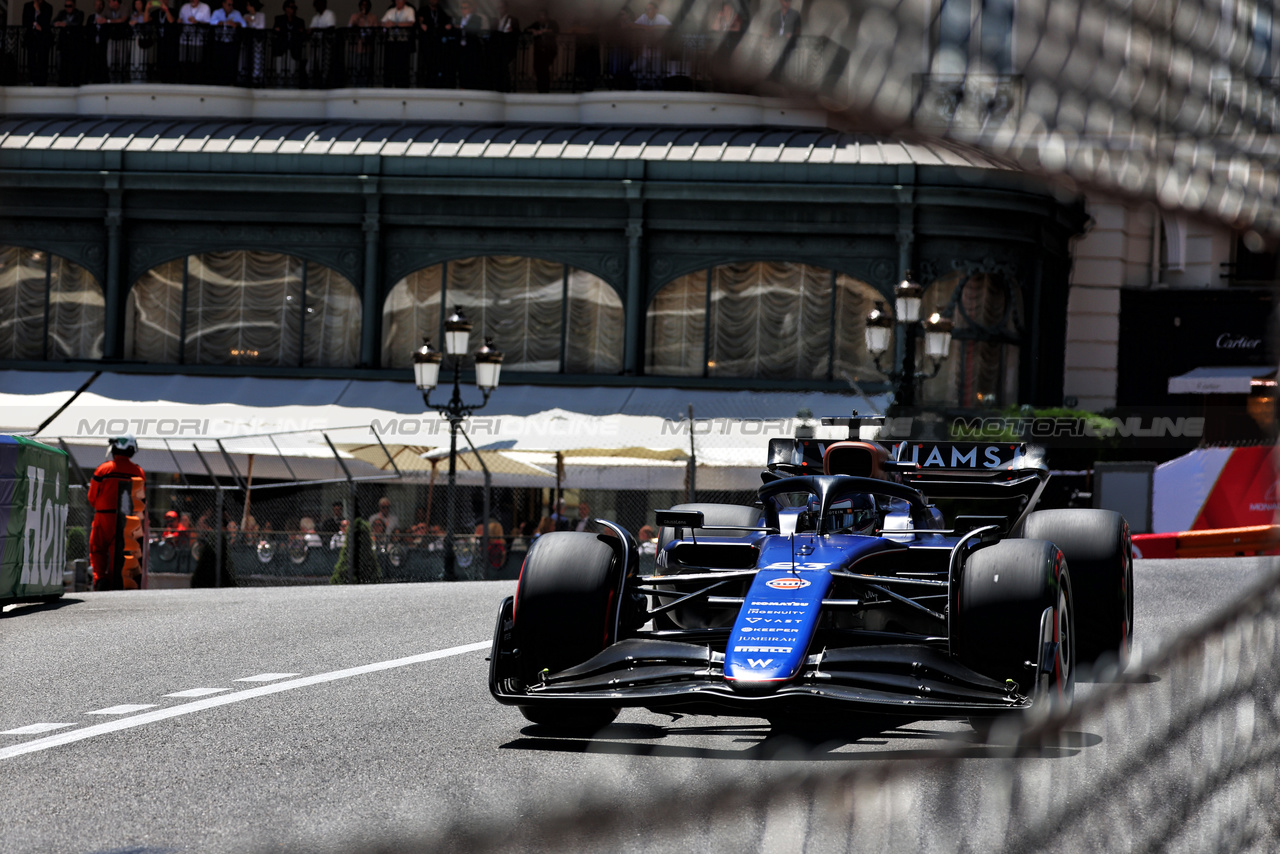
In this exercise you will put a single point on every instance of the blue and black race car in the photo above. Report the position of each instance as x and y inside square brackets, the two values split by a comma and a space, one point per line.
[916, 581]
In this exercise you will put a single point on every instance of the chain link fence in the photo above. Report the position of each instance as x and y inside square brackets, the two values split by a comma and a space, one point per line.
[1181, 753]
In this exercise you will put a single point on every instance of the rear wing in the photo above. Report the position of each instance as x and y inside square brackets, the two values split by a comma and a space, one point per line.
[1004, 479]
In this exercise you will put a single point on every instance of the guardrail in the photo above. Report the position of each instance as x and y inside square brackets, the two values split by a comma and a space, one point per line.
[382, 57]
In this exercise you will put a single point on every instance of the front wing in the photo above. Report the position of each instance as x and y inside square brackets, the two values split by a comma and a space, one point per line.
[916, 681]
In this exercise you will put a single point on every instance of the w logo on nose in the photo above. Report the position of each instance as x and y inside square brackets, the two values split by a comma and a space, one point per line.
[759, 662]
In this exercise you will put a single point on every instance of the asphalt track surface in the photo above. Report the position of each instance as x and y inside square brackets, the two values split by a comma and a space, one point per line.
[370, 718]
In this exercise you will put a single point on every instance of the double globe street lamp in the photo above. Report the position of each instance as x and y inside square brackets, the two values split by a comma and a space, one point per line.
[908, 297]
[426, 375]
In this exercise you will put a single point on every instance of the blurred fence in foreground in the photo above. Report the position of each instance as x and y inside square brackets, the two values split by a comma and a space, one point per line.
[1180, 755]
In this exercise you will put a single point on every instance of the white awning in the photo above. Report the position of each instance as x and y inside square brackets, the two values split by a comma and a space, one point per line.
[287, 425]
[1224, 380]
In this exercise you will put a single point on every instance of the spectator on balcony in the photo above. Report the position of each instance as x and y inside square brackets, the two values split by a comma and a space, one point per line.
[785, 23]
[226, 23]
[37, 24]
[649, 63]
[435, 40]
[546, 35]
[363, 17]
[504, 44]
[287, 43]
[727, 20]
[254, 17]
[142, 42]
[585, 29]
[652, 17]
[71, 40]
[253, 59]
[194, 12]
[470, 54]
[194, 17]
[399, 21]
[323, 19]
[360, 44]
[119, 40]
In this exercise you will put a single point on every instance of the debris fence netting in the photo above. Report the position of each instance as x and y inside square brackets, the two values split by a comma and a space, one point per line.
[1180, 753]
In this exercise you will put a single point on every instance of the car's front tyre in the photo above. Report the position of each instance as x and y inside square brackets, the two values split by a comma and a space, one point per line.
[565, 612]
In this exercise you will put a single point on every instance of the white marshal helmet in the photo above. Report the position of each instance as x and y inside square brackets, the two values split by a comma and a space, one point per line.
[126, 445]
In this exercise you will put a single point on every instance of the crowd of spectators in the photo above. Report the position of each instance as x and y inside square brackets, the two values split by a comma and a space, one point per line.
[471, 44]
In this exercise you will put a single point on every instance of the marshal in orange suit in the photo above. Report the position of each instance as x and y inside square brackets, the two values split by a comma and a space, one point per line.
[118, 538]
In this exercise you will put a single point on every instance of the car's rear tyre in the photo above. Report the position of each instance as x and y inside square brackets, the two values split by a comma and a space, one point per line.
[1099, 551]
[1005, 591]
[565, 612]
[697, 616]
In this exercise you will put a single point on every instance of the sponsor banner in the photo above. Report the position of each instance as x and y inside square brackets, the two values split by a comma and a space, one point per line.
[961, 455]
[33, 518]
[774, 651]
[1244, 493]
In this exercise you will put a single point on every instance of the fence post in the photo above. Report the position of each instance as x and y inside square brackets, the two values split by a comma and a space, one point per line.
[221, 535]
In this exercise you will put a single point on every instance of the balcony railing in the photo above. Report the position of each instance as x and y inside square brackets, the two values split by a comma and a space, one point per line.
[378, 57]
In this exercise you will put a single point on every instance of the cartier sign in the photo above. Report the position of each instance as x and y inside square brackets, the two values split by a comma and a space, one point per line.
[1231, 341]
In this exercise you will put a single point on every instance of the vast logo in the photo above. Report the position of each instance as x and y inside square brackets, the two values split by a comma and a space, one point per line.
[786, 583]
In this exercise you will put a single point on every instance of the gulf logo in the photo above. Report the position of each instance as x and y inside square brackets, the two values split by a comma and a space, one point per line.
[786, 583]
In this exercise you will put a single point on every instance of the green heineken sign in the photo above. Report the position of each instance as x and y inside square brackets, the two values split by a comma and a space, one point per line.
[33, 519]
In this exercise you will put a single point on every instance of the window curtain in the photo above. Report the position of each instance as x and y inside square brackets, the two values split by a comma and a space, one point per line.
[677, 321]
[76, 309]
[982, 369]
[595, 342]
[153, 323]
[77, 312]
[410, 313]
[517, 301]
[854, 301]
[245, 308]
[520, 303]
[769, 320]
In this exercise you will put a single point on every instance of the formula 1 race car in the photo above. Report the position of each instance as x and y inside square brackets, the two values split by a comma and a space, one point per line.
[918, 582]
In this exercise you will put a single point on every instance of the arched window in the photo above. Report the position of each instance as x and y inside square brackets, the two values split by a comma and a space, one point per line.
[50, 308]
[761, 319]
[545, 316]
[982, 369]
[243, 308]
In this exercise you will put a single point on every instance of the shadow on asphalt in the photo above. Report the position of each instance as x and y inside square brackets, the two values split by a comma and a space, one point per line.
[773, 744]
[36, 607]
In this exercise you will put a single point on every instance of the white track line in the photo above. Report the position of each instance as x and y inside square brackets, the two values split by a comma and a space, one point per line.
[35, 729]
[266, 677]
[40, 744]
[197, 692]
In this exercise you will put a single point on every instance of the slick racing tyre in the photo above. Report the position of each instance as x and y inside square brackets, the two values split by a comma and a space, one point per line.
[1015, 598]
[697, 616]
[565, 612]
[1098, 549]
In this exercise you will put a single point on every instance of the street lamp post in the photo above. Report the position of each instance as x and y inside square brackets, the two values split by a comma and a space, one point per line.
[426, 375]
[908, 297]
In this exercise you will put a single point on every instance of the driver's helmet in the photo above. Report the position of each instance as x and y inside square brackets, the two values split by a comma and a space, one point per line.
[856, 514]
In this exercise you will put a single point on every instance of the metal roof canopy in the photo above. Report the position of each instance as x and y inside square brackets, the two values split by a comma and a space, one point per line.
[489, 141]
